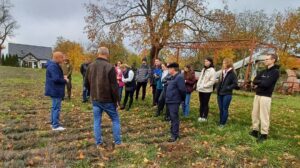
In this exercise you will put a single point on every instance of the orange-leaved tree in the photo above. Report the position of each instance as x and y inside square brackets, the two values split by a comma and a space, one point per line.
[152, 23]
[73, 50]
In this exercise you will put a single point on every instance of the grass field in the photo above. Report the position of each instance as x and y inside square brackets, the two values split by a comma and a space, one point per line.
[27, 141]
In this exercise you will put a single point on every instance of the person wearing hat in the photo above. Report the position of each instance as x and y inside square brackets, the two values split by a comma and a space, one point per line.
[175, 95]
[128, 79]
[67, 70]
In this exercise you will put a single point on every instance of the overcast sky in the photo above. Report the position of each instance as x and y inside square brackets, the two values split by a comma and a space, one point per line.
[42, 21]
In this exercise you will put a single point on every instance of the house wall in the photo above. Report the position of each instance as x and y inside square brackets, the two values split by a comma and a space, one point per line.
[31, 62]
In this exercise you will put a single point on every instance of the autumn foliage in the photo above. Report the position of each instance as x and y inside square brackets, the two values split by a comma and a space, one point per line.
[73, 50]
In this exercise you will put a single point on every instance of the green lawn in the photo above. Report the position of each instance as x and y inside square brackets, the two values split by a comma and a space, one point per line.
[26, 138]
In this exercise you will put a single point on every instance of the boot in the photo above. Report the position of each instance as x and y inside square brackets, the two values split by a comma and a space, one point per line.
[254, 133]
[157, 113]
[262, 138]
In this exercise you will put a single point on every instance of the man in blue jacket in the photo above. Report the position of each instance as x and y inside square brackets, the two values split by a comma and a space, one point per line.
[55, 88]
[175, 95]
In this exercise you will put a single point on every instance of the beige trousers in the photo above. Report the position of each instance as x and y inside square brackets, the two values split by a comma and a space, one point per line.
[261, 113]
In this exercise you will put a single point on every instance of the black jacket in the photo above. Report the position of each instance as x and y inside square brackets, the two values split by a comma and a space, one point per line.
[129, 86]
[83, 69]
[266, 81]
[228, 84]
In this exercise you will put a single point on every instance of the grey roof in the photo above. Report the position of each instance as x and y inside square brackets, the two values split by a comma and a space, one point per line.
[21, 50]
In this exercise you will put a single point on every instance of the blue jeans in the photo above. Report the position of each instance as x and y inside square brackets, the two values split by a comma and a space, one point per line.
[111, 110]
[224, 102]
[120, 93]
[186, 105]
[55, 111]
[85, 94]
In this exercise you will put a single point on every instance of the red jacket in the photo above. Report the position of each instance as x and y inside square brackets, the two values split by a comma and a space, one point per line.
[190, 82]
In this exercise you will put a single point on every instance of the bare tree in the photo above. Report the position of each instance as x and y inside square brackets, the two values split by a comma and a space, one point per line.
[7, 22]
[151, 23]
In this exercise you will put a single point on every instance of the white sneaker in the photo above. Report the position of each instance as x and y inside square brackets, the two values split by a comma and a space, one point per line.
[199, 119]
[58, 129]
[204, 119]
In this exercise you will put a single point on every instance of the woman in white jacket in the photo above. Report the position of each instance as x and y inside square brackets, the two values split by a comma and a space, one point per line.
[205, 86]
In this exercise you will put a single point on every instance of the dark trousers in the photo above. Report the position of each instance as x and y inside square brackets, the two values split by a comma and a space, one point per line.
[138, 87]
[157, 95]
[85, 94]
[153, 94]
[162, 103]
[204, 104]
[174, 116]
[69, 88]
[224, 102]
[130, 95]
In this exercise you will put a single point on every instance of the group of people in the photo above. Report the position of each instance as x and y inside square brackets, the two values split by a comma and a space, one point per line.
[104, 84]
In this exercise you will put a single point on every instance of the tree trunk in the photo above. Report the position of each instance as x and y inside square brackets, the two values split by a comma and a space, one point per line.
[154, 51]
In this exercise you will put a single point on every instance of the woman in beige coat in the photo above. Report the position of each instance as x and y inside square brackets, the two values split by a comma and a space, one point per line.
[205, 86]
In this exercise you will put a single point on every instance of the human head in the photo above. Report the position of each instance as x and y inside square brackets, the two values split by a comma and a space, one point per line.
[187, 68]
[208, 62]
[164, 66]
[157, 62]
[144, 62]
[103, 52]
[173, 68]
[58, 57]
[270, 59]
[124, 67]
[227, 63]
[87, 59]
[66, 59]
[119, 63]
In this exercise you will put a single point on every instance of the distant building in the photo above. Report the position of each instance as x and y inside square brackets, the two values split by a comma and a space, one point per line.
[30, 55]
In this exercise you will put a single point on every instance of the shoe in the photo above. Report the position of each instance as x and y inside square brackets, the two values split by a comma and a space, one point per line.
[157, 114]
[262, 138]
[122, 108]
[200, 119]
[221, 126]
[172, 140]
[101, 147]
[58, 129]
[122, 145]
[254, 133]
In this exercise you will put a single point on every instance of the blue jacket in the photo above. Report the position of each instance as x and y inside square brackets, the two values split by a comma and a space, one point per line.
[176, 90]
[55, 83]
[158, 73]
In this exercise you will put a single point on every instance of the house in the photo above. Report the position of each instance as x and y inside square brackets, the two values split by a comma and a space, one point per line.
[30, 55]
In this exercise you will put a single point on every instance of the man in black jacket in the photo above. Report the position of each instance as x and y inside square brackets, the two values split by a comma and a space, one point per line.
[83, 68]
[264, 83]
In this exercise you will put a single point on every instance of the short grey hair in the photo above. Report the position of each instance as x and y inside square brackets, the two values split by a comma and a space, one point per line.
[103, 51]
